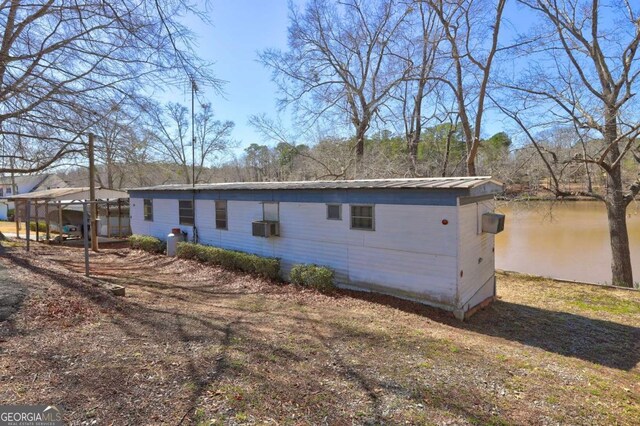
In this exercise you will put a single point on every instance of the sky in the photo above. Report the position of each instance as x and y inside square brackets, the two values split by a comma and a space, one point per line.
[242, 28]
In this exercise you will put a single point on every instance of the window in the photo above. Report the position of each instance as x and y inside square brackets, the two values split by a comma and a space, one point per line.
[270, 211]
[221, 214]
[362, 217]
[8, 190]
[148, 209]
[334, 211]
[185, 208]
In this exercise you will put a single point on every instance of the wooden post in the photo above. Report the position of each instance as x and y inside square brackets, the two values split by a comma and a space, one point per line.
[119, 217]
[28, 230]
[16, 217]
[92, 195]
[108, 220]
[60, 222]
[35, 207]
[46, 219]
[85, 235]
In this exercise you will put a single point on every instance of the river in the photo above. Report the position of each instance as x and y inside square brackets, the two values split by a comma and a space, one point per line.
[567, 240]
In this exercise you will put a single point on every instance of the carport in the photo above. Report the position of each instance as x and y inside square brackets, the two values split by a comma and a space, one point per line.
[61, 205]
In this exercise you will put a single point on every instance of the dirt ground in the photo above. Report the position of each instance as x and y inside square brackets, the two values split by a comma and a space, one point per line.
[193, 344]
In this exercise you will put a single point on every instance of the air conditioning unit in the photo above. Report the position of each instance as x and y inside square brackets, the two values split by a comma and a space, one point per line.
[492, 223]
[265, 228]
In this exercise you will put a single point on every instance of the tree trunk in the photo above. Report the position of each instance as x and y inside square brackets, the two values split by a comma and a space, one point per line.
[621, 272]
[416, 121]
[468, 136]
[109, 161]
[471, 164]
[414, 139]
[187, 173]
[360, 135]
[447, 151]
[361, 131]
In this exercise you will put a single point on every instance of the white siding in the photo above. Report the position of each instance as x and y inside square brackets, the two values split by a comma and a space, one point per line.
[237, 236]
[411, 250]
[307, 236]
[476, 256]
[165, 217]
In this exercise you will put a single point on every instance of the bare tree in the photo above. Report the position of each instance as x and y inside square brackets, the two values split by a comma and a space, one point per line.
[172, 137]
[121, 143]
[322, 161]
[419, 43]
[468, 24]
[586, 78]
[62, 61]
[213, 138]
[339, 61]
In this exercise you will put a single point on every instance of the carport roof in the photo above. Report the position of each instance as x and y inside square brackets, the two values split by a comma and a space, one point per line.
[60, 194]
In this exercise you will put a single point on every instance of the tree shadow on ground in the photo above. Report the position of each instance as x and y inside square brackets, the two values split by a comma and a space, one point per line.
[607, 343]
[603, 342]
[189, 335]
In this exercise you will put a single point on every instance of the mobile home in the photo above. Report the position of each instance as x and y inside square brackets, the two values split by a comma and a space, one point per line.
[424, 239]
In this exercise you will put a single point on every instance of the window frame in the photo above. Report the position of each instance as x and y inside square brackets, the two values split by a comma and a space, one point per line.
[373, 217]
[339, 205]
[226, 214]
[277, 203]
[182, 221]
[147, 217]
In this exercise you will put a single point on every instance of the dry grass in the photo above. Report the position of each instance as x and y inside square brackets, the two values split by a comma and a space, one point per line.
[10, 227]
[191, 344]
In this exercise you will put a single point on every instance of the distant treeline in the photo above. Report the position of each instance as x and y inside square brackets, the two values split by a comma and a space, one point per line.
[441, 152]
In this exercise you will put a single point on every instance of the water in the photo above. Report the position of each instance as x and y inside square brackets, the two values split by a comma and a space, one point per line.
[567, 240]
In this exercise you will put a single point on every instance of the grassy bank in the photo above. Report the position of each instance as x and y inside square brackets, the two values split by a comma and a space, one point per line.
[194, 344]
[10, 227]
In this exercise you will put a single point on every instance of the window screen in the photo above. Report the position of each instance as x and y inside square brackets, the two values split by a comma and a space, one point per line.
[186, 212]
[221, 214]
[270, 211]
[362, 217]
[334, 211]
[148, 209]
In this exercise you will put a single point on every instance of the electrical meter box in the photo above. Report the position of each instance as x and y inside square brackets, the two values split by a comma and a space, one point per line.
[492, 223]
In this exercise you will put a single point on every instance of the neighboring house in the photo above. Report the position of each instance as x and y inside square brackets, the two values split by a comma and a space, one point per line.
[419, 239]
[25, 184]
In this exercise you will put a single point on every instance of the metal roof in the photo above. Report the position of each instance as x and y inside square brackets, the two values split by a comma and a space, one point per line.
[412, 183]
[70, 194]
[6, 180]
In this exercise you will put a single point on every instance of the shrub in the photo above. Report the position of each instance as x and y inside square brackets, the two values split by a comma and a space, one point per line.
[42, 226]
[318, 277]
[147, 243]
[186, 250]
[265, 266]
